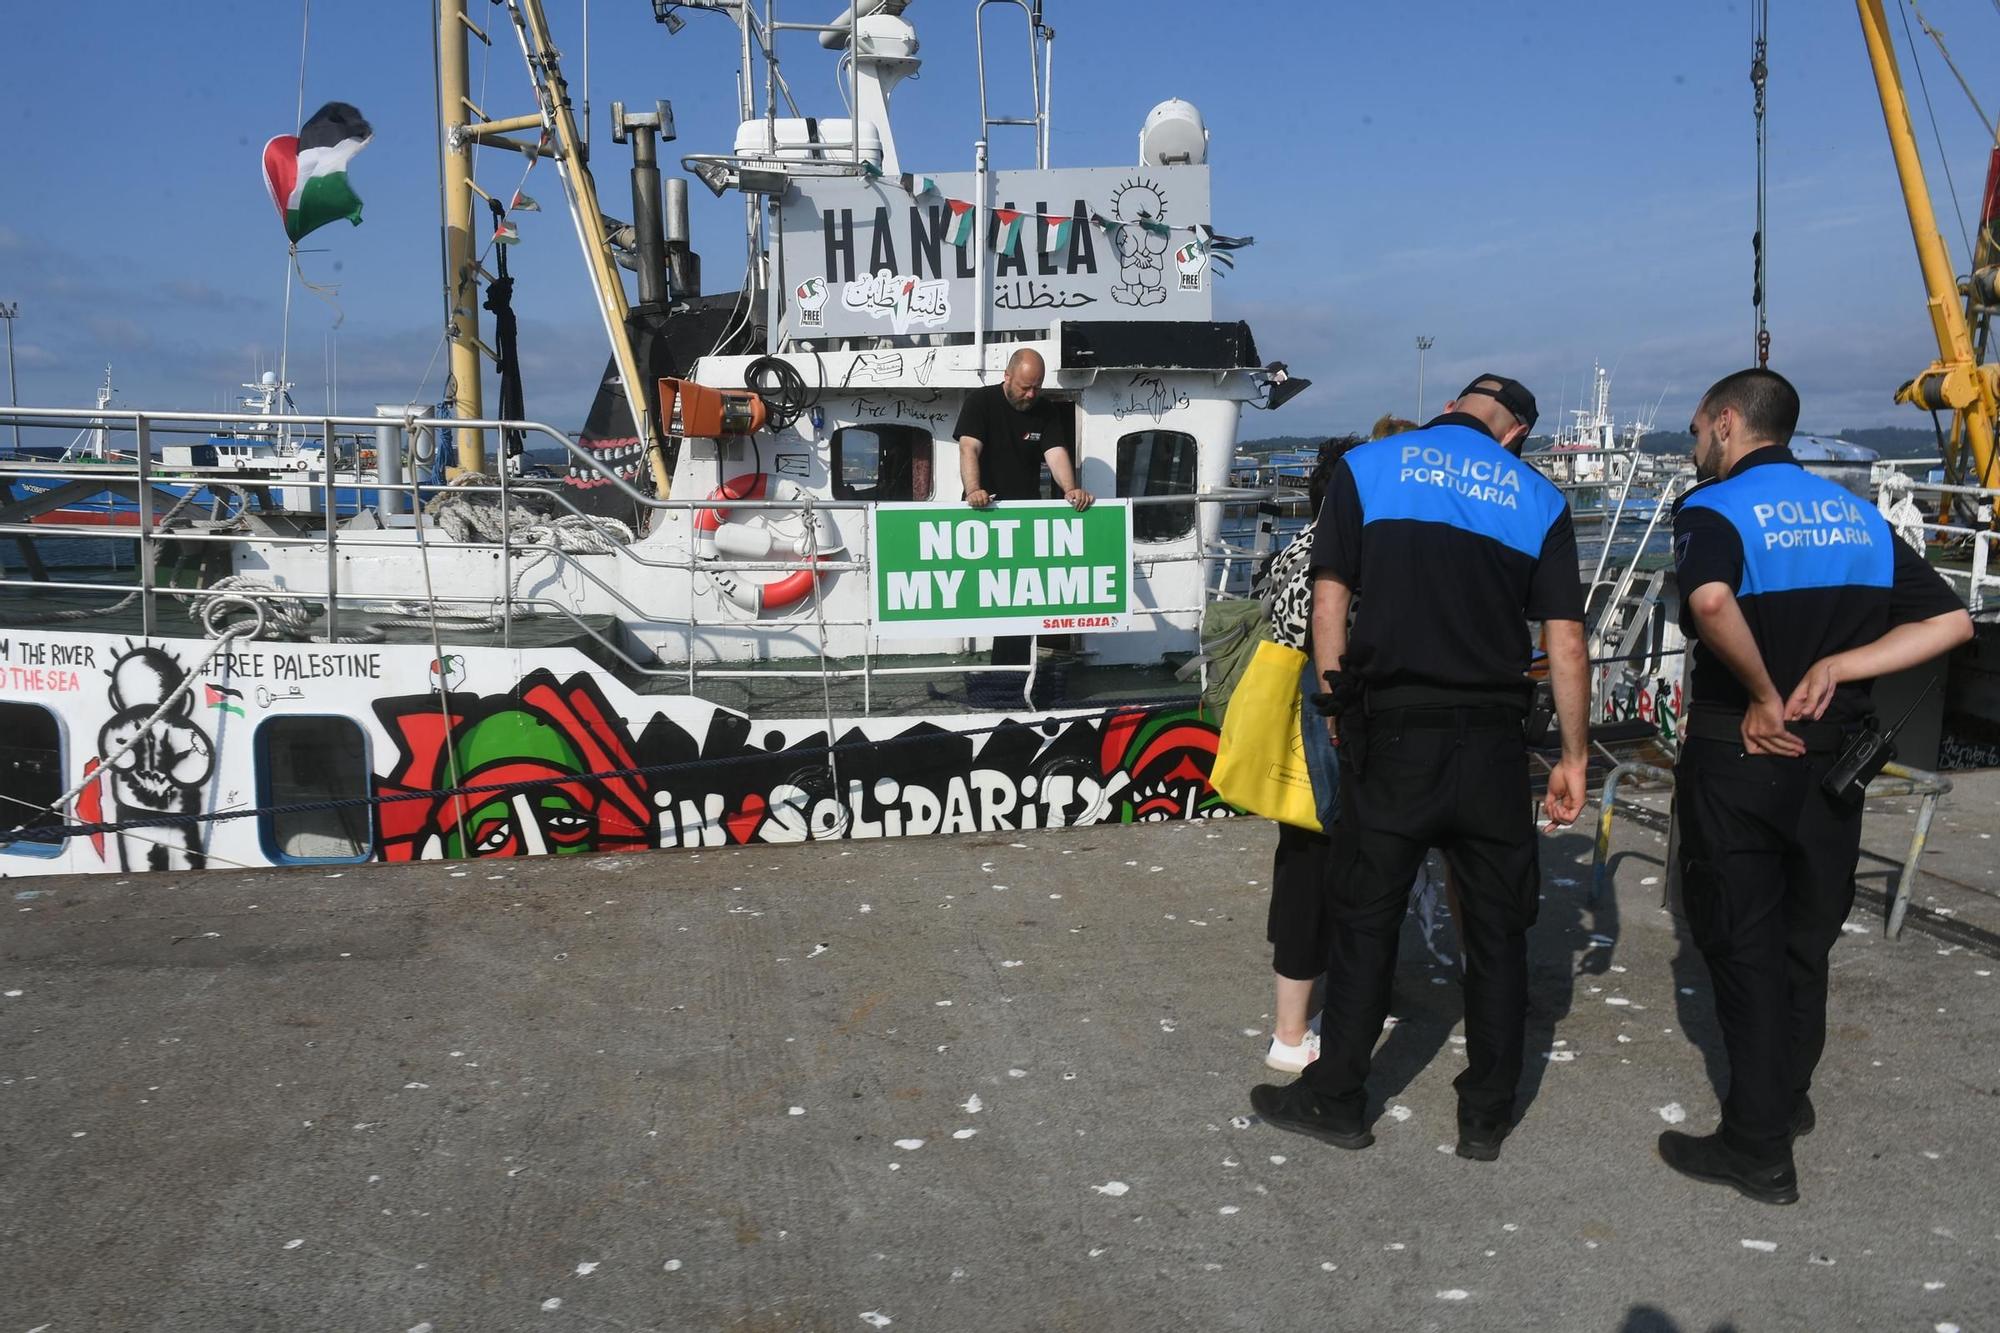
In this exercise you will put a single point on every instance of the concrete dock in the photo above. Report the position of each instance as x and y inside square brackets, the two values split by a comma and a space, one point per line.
[984, 1083]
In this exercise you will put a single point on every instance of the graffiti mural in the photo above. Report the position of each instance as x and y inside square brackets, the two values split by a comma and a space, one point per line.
[1656, 700]
[924, 779]
[734, 781]
[1168, 757]
[155, 770]
[548, 738]
[562, 759]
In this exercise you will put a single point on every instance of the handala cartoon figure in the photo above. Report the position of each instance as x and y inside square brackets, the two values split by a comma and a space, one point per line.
[161, 772]
[1142, 275]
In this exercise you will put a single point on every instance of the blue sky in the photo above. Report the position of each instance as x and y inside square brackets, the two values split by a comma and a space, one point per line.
[1534, 184]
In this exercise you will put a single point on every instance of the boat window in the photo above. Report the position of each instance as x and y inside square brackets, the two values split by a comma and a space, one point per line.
[307, 759]
[1158, 462]
[881, 463]
[31, 770]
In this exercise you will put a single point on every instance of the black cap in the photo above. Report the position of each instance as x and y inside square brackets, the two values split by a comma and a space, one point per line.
[1510, 394]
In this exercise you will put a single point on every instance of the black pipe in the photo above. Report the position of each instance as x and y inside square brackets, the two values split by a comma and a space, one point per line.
[647, 226]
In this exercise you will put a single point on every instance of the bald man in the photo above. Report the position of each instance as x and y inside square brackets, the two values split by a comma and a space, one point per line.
[1007, 430]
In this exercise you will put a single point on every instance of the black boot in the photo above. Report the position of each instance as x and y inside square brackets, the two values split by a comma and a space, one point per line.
[1711, 1160]
[1479, 1136]
[1296, 1107]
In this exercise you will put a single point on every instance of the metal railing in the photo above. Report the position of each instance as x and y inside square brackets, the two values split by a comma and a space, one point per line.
[150, 487]
[1895, 780]
[1982, 580]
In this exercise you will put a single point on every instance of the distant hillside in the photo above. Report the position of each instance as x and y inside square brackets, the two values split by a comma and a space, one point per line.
[1891, 441]
[1887, 441]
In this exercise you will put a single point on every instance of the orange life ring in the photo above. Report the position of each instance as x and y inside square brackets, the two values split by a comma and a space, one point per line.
[717, 537]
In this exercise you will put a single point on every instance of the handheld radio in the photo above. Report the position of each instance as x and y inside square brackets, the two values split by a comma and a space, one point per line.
[1847, 781]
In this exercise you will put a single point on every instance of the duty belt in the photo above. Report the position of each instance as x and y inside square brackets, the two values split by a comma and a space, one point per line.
[1820, 737]
[1447, 716]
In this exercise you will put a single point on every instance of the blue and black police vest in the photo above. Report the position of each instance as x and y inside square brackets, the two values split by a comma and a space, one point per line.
[1455, 531]
[1459, 477]
[1817, 575]
[1800, 532]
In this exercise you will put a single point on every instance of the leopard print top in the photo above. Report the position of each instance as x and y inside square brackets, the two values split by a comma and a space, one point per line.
[1286, 586]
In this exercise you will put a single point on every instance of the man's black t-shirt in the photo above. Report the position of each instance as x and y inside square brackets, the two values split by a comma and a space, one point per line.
[1012, 441]
[1816, 571]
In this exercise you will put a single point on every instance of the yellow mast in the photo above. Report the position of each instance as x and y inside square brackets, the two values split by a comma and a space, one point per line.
[460, 257]
[465, 125]
[612, 303]
[1955, 382]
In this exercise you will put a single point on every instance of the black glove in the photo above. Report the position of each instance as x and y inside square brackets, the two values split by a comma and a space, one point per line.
[1343, 693]
[1344, 700]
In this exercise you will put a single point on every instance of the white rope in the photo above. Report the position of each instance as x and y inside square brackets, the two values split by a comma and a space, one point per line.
[474, 517]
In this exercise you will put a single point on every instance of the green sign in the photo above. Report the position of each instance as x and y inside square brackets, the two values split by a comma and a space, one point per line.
[1021, 567]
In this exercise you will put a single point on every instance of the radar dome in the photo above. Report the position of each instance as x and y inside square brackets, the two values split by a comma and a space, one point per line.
[1174, 136]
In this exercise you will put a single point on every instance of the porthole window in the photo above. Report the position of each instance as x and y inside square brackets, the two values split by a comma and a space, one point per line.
[31, 772]
[881, 463]
[302, 760]
[1158, 462]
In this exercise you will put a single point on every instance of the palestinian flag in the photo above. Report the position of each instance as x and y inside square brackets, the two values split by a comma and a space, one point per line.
[307, 172]
[1056, 233]
[223, 699]
[960, 230]
[1006, 230]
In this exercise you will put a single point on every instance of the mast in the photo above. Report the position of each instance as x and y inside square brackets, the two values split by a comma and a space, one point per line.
[100, 445]
[461, 261]
[559, 122]
[1955, 382]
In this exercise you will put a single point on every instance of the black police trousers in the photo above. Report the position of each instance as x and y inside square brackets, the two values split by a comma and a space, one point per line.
[1455, 779]
[1767, 877]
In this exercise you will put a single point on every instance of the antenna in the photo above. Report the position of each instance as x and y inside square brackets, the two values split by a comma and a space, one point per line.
[835, 37]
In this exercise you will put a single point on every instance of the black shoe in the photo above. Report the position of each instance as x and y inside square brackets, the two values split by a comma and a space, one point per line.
[1803, 1118]
[1295, 1107]
[1479, 1137]
[1710, 1159]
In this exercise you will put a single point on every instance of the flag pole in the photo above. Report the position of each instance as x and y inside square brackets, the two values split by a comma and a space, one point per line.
[285, 338]
[292, 253]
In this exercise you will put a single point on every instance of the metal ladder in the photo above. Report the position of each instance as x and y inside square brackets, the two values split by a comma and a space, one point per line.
[1041, 39]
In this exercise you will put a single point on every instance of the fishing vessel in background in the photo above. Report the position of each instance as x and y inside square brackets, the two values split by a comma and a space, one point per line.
[754, 608]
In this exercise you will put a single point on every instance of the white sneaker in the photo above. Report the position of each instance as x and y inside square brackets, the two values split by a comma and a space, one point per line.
[1291, 1059]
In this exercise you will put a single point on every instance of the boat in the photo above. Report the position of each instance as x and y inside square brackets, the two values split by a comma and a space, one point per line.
[752, 608]
[91, 480]
[734, 619]
[1590, 449]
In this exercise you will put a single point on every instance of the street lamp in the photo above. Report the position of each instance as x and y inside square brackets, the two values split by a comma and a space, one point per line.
[1423, 345]
[9, 312]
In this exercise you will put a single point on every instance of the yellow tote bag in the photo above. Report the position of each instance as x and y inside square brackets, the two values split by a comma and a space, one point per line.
[1260, 762]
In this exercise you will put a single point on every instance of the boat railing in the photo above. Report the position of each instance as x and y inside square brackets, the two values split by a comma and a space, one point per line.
[1980, 580]
[356, 614]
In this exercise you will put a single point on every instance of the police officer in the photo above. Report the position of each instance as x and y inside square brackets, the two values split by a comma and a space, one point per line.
[1445, 544]
[1796, 595]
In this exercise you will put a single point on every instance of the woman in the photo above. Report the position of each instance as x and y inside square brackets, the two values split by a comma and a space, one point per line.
[1297, 925]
